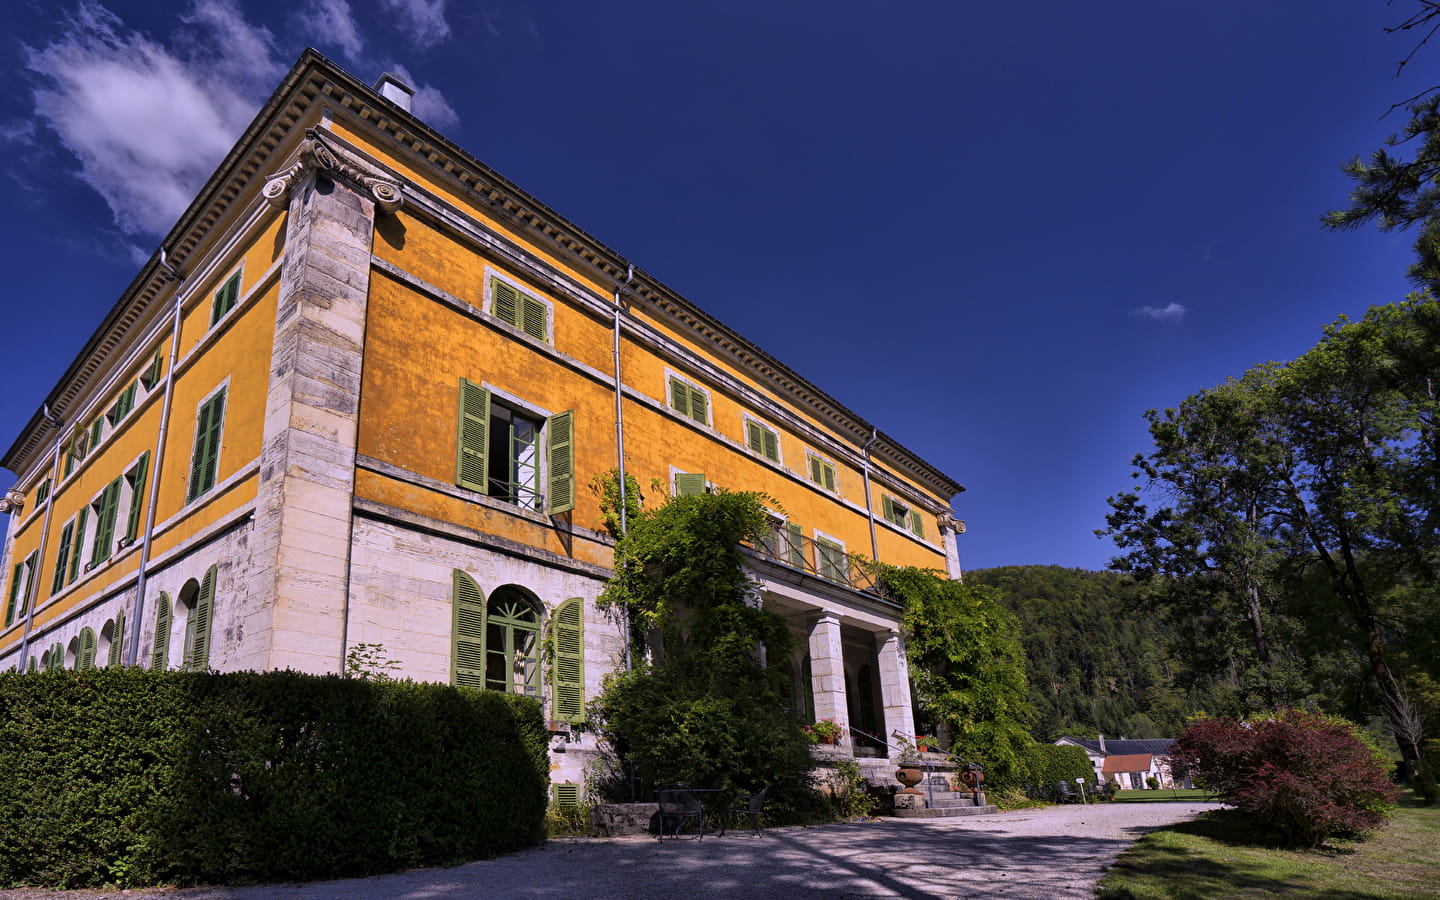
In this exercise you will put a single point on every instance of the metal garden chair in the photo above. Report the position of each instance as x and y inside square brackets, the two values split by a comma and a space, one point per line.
[678, 803]
[752, 807]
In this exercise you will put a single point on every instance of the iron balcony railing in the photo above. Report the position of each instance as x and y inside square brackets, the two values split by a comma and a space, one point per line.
[789, 547]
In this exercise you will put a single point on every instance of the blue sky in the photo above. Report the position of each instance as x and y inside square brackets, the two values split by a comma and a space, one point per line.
[1000, 231]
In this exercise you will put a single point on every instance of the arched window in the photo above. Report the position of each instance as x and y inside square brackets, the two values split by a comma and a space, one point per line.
[114, 633]
[200, 600]
[512, 642]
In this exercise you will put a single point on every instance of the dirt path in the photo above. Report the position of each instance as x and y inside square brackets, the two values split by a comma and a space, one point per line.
[1047, 853]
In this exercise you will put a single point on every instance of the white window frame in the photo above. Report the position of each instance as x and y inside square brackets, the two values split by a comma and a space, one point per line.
[811, 454]
[488, 299]
[238, 273]
[542, 444]
[670, 376]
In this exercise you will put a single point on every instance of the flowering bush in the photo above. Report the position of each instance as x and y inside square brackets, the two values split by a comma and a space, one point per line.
[1305, 777]
[824, 730]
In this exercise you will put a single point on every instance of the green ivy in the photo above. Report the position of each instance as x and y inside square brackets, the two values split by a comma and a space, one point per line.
[700, 707]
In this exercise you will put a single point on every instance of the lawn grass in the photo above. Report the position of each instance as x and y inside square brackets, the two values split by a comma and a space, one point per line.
[1208, 857]
[1167, 795]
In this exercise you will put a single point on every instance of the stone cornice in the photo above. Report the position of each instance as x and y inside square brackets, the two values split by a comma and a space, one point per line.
[315, 82]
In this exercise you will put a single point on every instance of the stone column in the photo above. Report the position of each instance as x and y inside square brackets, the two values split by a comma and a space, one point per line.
[894, 686]
[827, 673]
[296, 586]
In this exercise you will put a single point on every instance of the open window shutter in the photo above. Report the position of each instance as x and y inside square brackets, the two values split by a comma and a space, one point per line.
[117, 641]
[887, 507]
[14, 594]
[32, 575]
[32, 668]
[917, 524]
[160, 657]
[689, 484]
[62, 558]
[105, 521]
[85, 649]
[57, 658]
[472, 436]
[137, 496]
[97, 431]
[561, 433]
[795, 545]
[569, 634]
[467, 651]
[151, 376]
[201, 618]
[504, 302]
[534, 318]
[78, 546]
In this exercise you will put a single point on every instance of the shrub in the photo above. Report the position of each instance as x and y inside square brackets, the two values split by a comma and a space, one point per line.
[123, 776]
[1044, 764]
[1302, 776]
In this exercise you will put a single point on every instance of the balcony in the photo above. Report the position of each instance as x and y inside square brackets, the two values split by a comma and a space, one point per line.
[787, 546]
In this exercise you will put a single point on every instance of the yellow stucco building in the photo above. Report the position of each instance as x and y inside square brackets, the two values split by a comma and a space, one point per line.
[360, 398]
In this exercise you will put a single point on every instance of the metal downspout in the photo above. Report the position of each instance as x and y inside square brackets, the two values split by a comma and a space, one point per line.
[869, 506]
[34, 598]
[132, 652]
[620, 440]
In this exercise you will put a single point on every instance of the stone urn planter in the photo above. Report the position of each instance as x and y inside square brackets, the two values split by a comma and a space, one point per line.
[909, 775]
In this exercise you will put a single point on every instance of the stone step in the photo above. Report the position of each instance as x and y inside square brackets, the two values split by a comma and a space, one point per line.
[945, 812]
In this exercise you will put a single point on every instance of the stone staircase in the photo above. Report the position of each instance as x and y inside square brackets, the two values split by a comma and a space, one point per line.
[939, 802]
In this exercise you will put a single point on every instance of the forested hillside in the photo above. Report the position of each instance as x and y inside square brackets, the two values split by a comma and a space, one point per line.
[1097, 660]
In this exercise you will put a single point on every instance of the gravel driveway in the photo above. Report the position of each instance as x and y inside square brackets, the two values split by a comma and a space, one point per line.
[1059, 851]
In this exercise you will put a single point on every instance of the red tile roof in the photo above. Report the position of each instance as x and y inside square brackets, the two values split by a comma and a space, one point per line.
[1139, 762]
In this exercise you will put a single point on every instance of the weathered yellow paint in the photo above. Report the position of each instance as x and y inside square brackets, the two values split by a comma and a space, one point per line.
[260, 253]
[217, 505]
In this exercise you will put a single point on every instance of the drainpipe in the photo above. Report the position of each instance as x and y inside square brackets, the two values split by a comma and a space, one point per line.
[34, 595]
[620, 440]
[870, 507]
[132, 652]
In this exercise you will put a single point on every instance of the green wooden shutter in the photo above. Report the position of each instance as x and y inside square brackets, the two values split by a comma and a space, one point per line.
[32, 572]
[151, 376]
[504, 302]
[680, 396]
[14, 594]
[467, 639]
[561, 433]
[829, 476]
[117, 641]
[197, 629]
[830, 559]
[205, 459]
[699, 406]
[160, 656]
[533, 318]
[917, 524]
[62, 559]
[85, 649]
[472, 441]
[225, 298]
[568, 632]
[42, 493]
[97, 430]
[565, 796]
[31, 667]
[79, 543]
[795, 545]
[754, 438]
[137, 496]
[105, 521]
[56, 662]
[689, 484]
[772, 445]
[887, 507]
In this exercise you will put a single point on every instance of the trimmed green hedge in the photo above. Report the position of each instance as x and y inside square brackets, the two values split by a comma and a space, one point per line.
[130, 777]
[1044, 764]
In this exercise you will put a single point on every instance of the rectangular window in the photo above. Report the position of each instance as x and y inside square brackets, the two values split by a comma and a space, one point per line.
[151, 376]
[20, 580]
[97, 430]
[106, 508]
[225, 298]
[830, 560]
[822, 472]
[689, 484]
[689, 400]
[897, 513]
[762, 440]
[42, 493]
[205, 458]
[500, 448]
[123, 405]
[62, 559]
[518, 309]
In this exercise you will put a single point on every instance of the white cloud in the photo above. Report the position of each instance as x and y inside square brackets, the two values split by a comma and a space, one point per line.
[332, 23]
[422, 20]
[148, 124]
[429, 104]
[1173, 312]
